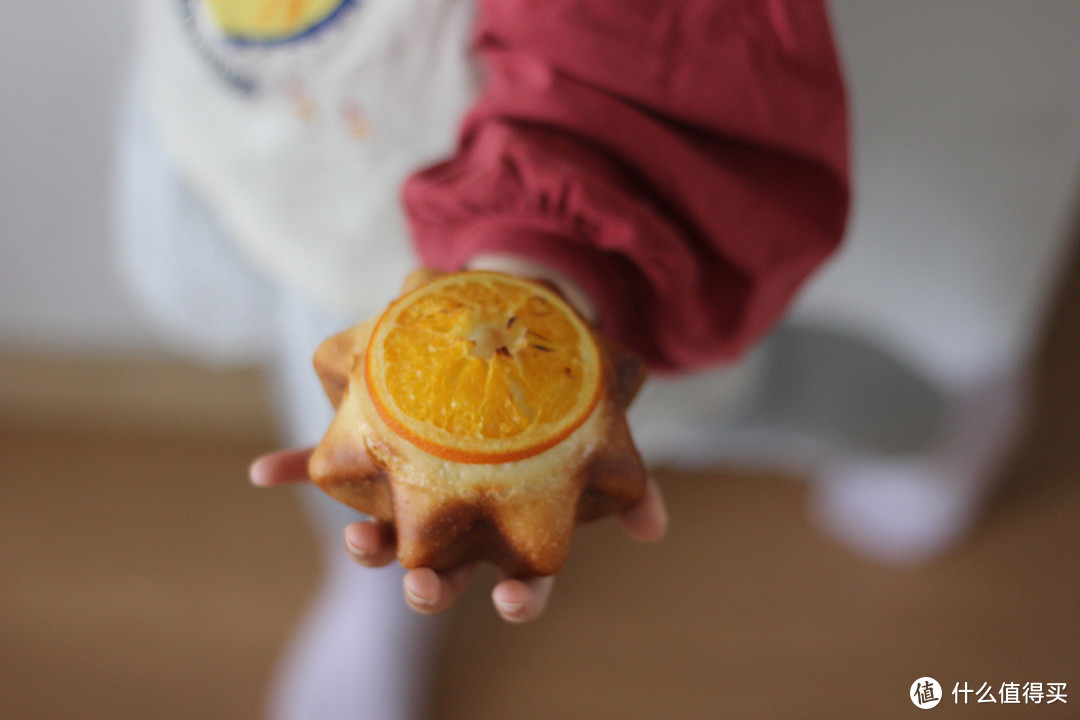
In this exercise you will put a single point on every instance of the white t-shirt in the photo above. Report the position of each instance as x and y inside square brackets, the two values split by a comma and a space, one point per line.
[301, 139]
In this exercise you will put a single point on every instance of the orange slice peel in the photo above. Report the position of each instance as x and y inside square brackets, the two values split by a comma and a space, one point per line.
[481, 367]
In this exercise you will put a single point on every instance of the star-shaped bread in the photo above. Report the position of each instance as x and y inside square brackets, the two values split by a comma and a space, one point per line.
[517, 509]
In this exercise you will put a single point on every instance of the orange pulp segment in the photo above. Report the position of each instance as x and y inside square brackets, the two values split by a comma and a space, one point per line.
[480, 367]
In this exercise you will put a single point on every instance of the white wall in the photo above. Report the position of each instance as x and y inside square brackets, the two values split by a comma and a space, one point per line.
[62, 64]
[966, 123]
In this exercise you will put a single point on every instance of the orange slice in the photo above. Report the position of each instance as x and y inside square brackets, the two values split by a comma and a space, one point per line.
[479, 367]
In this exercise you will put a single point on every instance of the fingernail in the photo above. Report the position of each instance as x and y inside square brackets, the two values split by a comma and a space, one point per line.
[416, 599]
[355, 550]
[512, 609]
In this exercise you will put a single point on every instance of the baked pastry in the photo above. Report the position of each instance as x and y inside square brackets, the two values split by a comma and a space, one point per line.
[483, 419]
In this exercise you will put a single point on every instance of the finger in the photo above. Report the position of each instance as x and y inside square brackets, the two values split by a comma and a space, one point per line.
[280, 468]
[370, 543]
[429, 592]
[519, 601]
[646, 520]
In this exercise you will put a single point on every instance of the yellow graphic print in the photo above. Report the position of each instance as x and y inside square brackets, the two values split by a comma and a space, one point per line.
[270, 20]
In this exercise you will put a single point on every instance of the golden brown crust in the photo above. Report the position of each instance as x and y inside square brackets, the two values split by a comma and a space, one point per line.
[518, 515]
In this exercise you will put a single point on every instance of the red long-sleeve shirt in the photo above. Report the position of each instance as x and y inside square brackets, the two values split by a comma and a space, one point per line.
[684, 162]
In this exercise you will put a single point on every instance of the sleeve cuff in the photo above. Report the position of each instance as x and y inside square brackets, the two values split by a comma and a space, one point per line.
[597, 283]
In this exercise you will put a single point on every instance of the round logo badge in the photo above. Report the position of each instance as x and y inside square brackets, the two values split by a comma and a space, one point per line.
[925, 693]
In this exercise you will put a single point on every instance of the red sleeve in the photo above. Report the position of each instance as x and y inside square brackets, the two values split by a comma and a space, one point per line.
[684, 161]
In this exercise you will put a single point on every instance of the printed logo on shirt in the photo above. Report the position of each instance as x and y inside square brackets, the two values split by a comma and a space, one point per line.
[273, 21]
[255, 45]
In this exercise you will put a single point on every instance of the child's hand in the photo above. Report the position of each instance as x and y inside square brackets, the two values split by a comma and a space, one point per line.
[371, 543]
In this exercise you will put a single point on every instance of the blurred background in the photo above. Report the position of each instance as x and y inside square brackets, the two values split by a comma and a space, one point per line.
[142, 577]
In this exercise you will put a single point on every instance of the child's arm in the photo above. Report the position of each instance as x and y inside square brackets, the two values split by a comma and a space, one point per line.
[683, 162]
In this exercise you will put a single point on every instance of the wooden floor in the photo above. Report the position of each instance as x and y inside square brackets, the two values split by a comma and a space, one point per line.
[141, 577]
